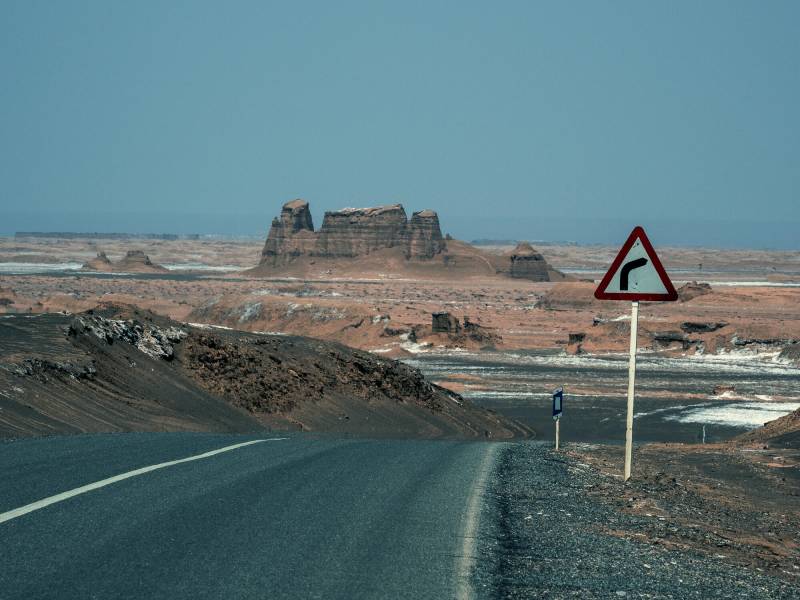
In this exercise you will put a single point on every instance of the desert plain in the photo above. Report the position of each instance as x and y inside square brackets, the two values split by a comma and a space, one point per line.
[730, 342]
[715, 365]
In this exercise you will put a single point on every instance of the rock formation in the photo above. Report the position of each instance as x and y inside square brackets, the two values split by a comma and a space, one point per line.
[692, 290]
[702, 327]
[291, 234]
[383, 241]
[134, 261]
[296, 216]
[444, 322]
[351, 232]
[98, 263]
[425, 235]
[526, 263]
[576, 338]
[153, 341]
[359, 231]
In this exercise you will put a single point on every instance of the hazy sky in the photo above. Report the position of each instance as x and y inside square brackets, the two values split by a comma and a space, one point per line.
[564, 120]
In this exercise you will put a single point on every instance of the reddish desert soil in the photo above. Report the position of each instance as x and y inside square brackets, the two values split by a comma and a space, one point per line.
[728, 501]
[737, 500]
[378, 315]
[377, 310]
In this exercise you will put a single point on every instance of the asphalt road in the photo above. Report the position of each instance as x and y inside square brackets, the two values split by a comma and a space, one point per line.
[303, 517]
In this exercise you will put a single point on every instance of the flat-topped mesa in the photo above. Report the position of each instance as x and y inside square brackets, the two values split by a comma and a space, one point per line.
[526, 263]
[351, 232]
[358, 231]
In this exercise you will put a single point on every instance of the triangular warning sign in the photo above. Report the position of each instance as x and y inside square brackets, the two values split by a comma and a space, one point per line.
[636, 273]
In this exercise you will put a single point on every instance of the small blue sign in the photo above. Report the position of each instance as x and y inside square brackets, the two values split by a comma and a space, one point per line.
[558, 403]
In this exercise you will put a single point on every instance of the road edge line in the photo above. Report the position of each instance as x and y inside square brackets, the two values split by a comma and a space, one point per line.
[468, 556]
[44, 502]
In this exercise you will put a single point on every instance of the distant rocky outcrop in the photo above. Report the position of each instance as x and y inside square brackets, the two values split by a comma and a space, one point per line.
[469, 333]
[444, 322]
[698, 327]
[359, 231]
[291, 234]
[526, 263]
[351, 232]
[383, 241]
[692, 289]
[425, 235]
[100, 262]
[134, 261]
[137, 260]
[668, 339]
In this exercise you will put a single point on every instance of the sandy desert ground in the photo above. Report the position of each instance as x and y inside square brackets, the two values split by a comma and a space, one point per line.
[718, 363]
[753, 294]
[744, 309]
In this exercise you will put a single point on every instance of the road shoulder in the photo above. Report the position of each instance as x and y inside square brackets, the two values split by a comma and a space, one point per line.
[544, 533]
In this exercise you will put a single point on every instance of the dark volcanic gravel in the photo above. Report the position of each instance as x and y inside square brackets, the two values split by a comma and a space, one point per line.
[540, 537]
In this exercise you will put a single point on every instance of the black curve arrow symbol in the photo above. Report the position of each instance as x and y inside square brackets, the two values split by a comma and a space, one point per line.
[626, 269]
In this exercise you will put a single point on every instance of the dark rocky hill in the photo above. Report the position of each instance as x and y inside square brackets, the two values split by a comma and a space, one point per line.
[121, 369]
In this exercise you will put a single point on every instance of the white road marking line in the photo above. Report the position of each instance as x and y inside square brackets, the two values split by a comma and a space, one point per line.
[28, 508]
[466, 561]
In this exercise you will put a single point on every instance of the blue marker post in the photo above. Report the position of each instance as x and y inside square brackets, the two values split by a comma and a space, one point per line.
[558, 408]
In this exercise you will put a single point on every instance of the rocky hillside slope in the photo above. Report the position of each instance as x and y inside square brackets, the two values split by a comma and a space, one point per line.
[121, 369]
[781, 433]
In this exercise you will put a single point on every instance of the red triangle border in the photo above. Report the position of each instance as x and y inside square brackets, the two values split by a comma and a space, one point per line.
[601, 294]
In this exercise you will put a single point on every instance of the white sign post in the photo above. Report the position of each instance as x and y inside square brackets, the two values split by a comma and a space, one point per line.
[631, 386]
[557, 432]
[636, 274]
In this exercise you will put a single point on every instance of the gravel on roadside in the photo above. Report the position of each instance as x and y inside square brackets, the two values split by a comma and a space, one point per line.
[542, 535]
